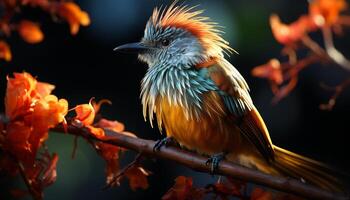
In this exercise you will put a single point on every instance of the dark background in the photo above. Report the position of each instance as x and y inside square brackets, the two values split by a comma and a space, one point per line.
[85, 66]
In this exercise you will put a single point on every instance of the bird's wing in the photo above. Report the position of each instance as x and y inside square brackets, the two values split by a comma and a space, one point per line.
[235, 94]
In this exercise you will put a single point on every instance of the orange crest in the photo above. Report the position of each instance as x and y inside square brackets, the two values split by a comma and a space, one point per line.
[184, 17]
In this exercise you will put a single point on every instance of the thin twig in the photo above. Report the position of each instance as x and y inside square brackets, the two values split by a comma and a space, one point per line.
[302, 64]
[313, 46]
[123, 171]
[197, 162]
[332, 52]
[35, 195]
[337, 91]
[75, 146]
[292, 55]
[291, 75]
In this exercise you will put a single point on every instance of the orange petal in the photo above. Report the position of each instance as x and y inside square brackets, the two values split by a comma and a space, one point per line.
[85, 113]
[112, 125]
[17, 142]
[22, 91]
[5, 52]
[48, 112]
[98, 105]
[329, 10]
[18, 98]
[44, 89]
[74, 16]
[30, 32]
[98, 132]
[289, 34]
[18, 134]
[271, 70]
[280, 31]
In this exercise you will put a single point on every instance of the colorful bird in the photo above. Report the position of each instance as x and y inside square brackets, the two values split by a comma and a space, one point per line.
[203, 102]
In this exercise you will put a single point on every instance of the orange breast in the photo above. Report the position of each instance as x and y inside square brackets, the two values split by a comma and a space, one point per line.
[213, 132]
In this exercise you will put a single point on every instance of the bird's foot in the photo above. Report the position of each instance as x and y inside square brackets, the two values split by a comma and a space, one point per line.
[163, 142]
[214, 161]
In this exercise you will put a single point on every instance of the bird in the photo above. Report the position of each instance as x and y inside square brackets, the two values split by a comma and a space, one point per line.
[202, 101]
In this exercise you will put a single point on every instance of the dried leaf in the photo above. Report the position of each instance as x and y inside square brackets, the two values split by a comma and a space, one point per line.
[43, 173]
[110, 154]
[183, 190]
[50, 173]
[260, 194]
[137, 177]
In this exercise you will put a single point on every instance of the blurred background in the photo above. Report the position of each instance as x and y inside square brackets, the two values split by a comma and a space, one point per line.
[85, 66]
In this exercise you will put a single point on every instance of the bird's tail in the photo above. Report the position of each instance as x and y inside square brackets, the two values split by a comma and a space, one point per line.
[300, 167]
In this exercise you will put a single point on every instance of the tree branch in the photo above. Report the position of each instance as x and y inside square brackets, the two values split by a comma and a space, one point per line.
[197, 162]
[332, 52]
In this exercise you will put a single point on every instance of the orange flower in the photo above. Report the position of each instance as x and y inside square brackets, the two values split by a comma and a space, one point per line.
[74, 15]
[85, 113]
[294, 32]
[43, 89]
[47, 113]
[271, 70]
[30, 32]
[32, 112]
[5, 52]
[18, 97]
[21, 91]
[326, 11]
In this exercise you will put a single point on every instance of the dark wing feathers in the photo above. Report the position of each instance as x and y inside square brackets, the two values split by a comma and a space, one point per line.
[235, 94]
[253, 132]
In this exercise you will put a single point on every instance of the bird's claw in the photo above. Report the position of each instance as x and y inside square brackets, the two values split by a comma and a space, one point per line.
[162, 142]
[214, 161]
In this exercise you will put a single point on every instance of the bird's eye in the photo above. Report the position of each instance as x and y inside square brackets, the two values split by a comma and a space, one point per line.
[165, 42]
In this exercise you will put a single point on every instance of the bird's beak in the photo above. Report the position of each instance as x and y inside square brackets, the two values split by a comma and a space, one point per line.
[136, 47]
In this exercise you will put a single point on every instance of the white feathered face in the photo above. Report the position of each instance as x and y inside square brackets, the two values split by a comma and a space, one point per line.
[173, 46]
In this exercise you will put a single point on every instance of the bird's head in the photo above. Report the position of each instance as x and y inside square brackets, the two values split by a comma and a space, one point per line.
[180, 36]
